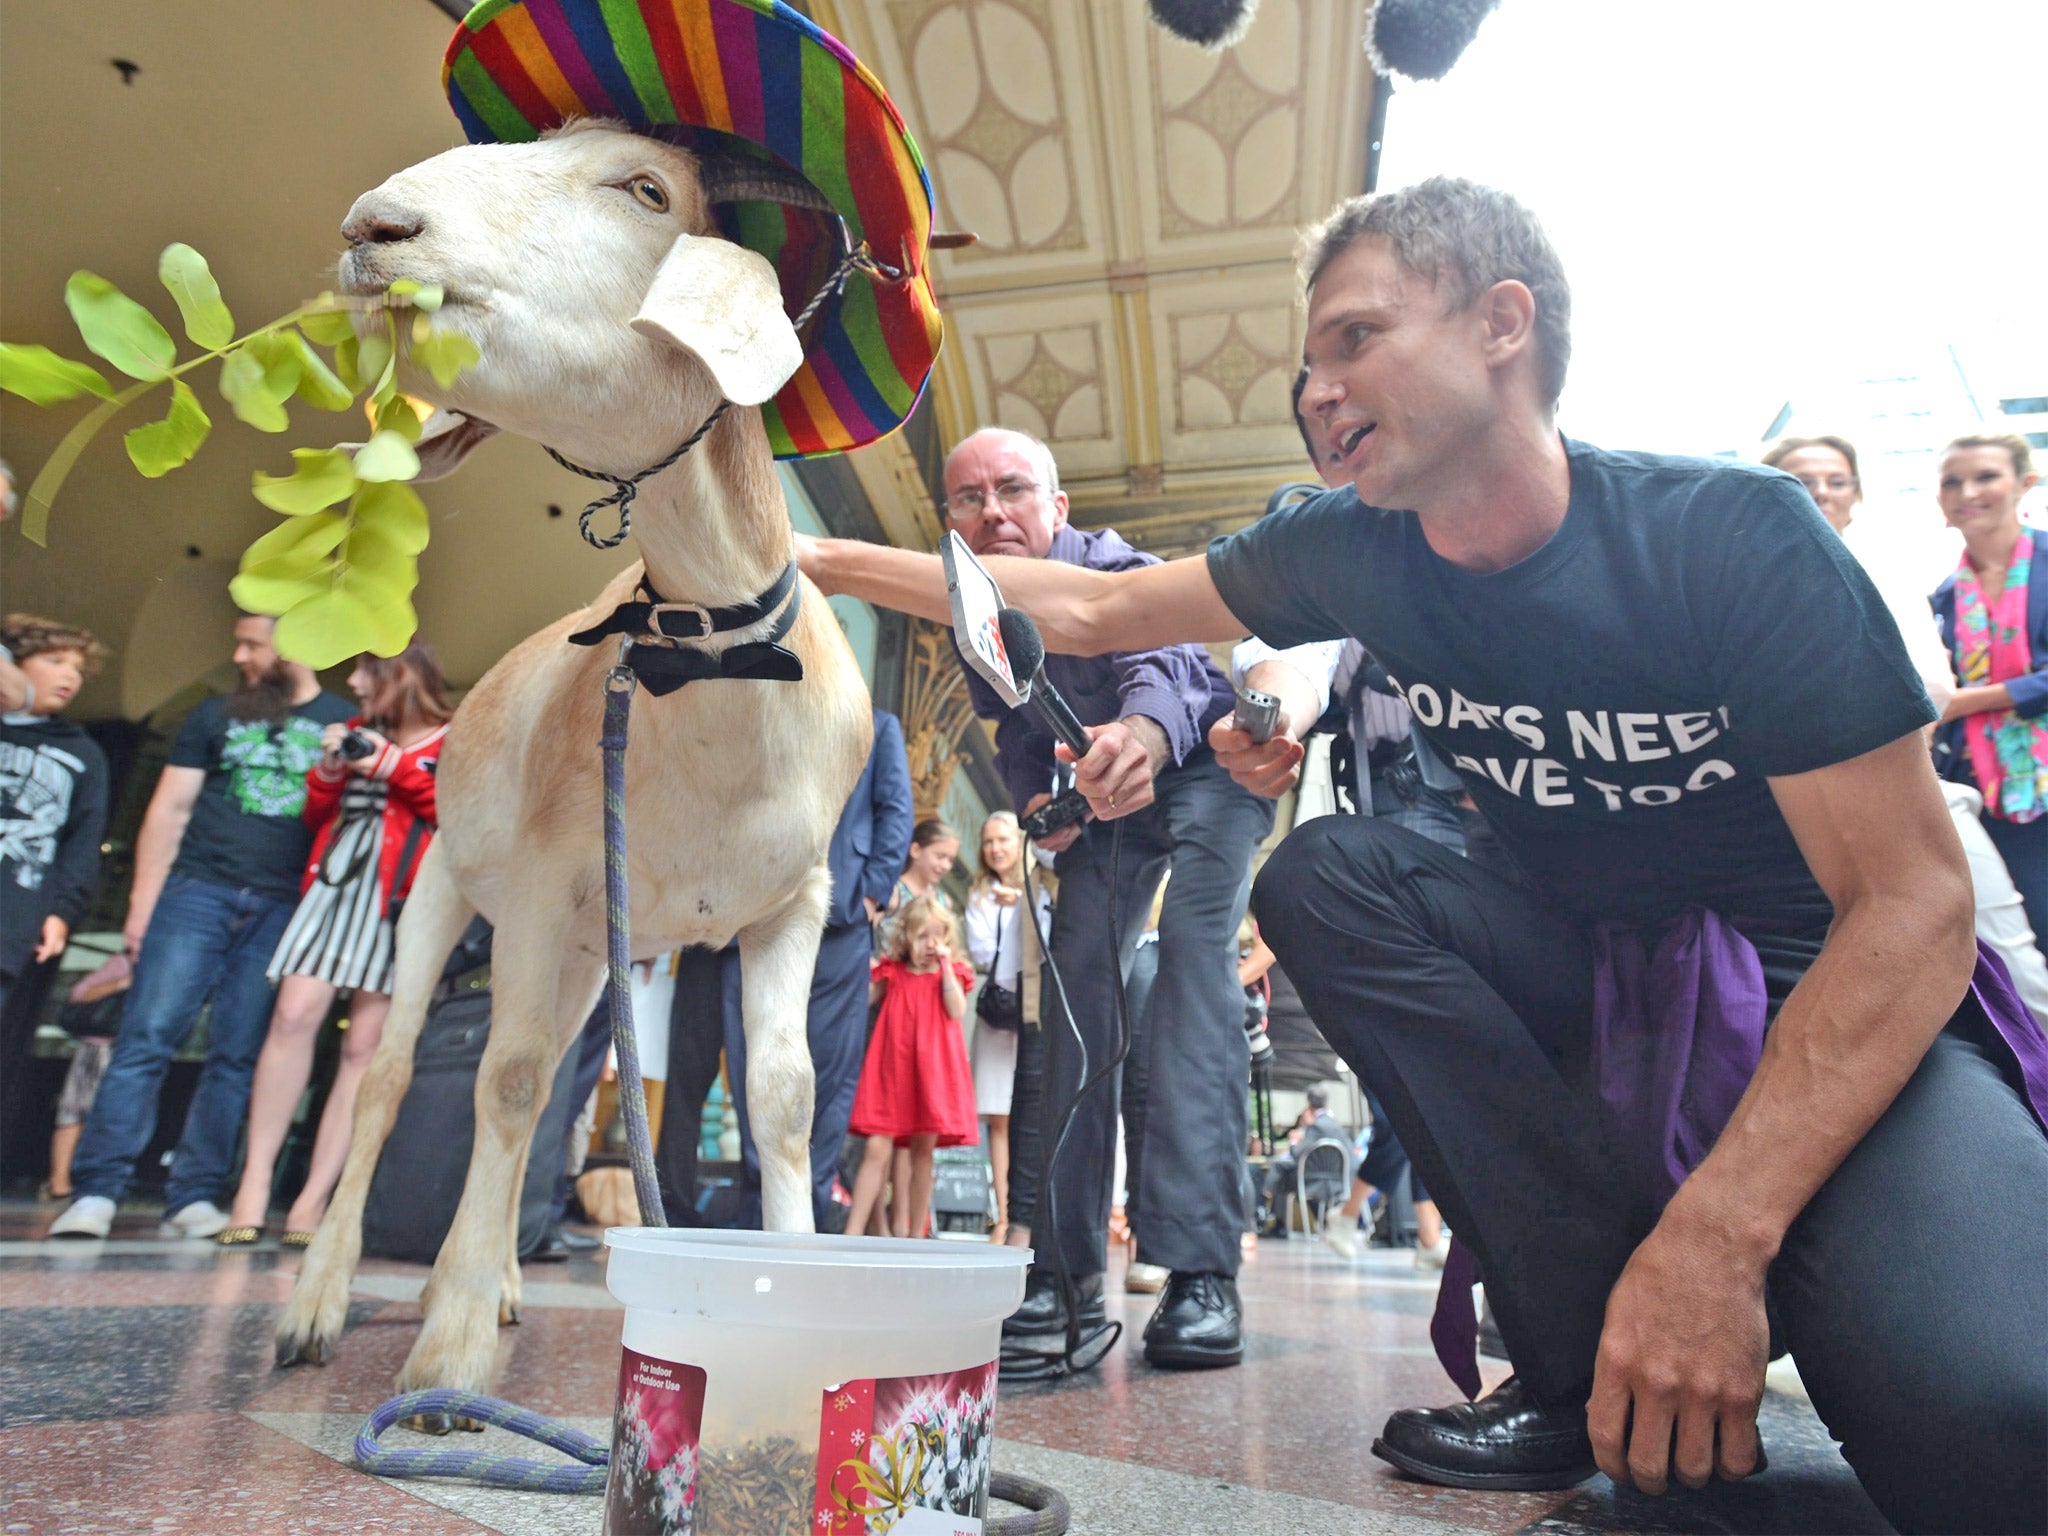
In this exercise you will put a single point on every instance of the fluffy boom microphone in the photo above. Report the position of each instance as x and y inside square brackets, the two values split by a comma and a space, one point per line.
[1422, 39]
[1212, 24]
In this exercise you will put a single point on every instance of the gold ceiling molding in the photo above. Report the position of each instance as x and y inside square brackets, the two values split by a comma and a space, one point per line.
[936, 714]
[1132, 300]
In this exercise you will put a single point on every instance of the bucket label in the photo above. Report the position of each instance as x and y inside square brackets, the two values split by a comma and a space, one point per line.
[906, 1455]
[652, 1490]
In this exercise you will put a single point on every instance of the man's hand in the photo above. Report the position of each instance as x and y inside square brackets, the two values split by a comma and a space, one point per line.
[133, 930]
[56, 934]
[1056, 842]
[1116, 775]
[809, 559]
[1269, 768]
[1681, 1366]
[874, 910]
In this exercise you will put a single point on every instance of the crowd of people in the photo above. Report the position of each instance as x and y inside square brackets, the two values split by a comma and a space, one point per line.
[1643, 920]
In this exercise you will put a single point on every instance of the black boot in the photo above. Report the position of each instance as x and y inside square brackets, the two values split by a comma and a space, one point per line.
[1507, 1440]
[1199, 1322]
[1041, 1311]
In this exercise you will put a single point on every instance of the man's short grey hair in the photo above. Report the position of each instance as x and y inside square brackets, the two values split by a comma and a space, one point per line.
[1465, 238]
[1048, 466]
[1318, 1096]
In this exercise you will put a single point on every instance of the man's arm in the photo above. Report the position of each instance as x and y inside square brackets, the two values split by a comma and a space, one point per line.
[1272, 767]
[156, 846]
[1685, 1338]
[1079, 612]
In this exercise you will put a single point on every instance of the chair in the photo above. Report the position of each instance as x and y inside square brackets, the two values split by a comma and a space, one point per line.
[1322, 1174]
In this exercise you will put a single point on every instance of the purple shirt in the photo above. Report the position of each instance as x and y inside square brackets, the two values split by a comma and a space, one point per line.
[1178, 686]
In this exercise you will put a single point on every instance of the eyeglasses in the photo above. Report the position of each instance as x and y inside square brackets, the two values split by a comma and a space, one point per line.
[1013, 495]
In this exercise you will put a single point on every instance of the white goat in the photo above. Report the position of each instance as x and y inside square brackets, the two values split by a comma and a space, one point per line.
[611, 323]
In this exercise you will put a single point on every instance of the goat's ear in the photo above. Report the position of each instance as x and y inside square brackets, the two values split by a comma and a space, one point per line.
[721, 303]
[446, 440]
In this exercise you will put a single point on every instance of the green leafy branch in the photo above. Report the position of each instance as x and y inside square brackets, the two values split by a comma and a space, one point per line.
[339, 573]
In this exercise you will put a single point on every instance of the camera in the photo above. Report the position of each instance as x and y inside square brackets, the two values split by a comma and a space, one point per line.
[1063, 811]
[355, 746]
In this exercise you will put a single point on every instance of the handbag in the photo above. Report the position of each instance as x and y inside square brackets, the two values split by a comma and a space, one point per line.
[998, 1006]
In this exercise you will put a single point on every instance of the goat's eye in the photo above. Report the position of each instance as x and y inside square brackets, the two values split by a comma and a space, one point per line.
[650, 192]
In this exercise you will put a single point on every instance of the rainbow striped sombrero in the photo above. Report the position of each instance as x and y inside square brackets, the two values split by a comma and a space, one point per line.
[747, 79]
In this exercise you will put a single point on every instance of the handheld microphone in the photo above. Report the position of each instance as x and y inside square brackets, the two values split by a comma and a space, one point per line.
[1026, 649]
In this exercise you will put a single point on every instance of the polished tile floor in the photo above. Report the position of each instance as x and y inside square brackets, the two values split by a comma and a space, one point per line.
[137, 1395]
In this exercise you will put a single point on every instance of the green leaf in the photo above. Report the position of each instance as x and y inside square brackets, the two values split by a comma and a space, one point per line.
[119, 329]
[426, 296]
[162, 446]
[35, 515]
[397, 415]
[373, 360]
[274, 587]
[317, 384]
[444, 354]
[395, 511]
[379, 562]
[42, 377]
[347, 366]
[278, 352]
[245, 384]
[320, 478]
[343, 621]
[185, 273]
[386, 456]
[329, 327]
[300, 544]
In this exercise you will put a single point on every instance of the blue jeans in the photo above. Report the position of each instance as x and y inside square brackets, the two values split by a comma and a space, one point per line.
[203, 940]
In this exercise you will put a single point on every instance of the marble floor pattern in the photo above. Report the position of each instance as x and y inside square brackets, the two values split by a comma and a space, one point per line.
[137, 1394]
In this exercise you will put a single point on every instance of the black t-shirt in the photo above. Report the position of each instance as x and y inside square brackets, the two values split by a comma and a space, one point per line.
[1615, 701]
[245, 829]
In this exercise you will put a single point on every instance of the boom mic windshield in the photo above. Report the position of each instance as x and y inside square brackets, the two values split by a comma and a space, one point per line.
[1210, 24]
[1422, 39]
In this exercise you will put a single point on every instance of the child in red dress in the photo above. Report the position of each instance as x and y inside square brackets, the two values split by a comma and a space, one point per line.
[915, 1090]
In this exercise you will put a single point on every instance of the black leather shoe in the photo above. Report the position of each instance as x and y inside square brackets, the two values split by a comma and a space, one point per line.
[1199, 1322]
[1506, 1441]
[1041, 1311]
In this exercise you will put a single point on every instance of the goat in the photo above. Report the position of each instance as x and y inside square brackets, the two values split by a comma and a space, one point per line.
[611, 322]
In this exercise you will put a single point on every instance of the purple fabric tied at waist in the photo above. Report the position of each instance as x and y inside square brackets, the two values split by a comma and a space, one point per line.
[1677, 1035]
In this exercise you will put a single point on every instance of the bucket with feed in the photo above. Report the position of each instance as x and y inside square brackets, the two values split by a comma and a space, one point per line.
[773, 1384]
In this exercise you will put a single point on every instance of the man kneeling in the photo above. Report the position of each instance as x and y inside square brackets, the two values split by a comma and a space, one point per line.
[1714, 1029]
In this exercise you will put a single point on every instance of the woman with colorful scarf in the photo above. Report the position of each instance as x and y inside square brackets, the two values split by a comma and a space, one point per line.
[1994, 617]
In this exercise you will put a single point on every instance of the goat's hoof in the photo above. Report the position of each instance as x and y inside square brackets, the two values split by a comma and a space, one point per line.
[441, 1424]
[303, 1351]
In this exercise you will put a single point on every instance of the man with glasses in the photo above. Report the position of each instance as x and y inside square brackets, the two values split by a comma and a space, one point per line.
[1149, 712]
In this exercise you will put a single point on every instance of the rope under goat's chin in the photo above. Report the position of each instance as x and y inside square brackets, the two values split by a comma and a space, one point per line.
[626, 487]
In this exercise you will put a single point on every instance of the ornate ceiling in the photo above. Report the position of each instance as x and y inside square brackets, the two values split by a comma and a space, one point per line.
[1131, 300]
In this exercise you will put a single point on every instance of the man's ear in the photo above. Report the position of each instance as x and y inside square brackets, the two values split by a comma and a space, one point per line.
[721, 303]
[1509, 311]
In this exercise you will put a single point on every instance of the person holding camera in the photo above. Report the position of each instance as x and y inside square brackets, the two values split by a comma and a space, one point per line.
[216, 878]
[370, 801]
[1152, 707]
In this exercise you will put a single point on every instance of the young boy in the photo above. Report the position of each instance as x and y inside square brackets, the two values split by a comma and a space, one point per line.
[53, 810]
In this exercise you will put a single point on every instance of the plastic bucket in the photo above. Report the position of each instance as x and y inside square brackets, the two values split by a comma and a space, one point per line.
[774, 1384]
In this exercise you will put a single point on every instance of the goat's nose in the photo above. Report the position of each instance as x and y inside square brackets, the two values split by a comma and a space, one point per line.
[376, 222]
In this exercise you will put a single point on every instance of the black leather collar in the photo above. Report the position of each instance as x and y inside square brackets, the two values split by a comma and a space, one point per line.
[662, 666]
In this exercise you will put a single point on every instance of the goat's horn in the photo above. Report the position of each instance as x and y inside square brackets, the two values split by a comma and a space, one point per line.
[739, 179]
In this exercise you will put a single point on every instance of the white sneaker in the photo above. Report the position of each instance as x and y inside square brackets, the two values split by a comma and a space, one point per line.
[1433, 1258]
[1340, 1235]
[202, 1218]
[1145, 1279]
[88, 1216]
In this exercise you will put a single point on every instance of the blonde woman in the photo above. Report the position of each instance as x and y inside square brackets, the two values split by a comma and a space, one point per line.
[997, 943]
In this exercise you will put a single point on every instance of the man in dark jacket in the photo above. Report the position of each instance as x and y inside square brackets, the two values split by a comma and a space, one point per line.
[869, 847]
[53, 809]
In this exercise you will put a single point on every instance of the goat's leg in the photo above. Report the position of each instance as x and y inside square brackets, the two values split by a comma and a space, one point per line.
[435, 915]
[778, 954]
[533, 966]
[579, 994]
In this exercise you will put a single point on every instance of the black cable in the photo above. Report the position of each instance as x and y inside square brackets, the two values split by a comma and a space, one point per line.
[1020, 1362]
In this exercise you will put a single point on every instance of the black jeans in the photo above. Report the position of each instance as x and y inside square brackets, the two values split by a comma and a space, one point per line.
[1190, 1166]
[1910, 1290]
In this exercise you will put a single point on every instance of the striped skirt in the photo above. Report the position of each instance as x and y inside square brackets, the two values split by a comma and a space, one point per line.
[339, 933]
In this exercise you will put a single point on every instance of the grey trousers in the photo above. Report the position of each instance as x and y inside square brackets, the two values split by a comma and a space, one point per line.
[1190, 1168]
